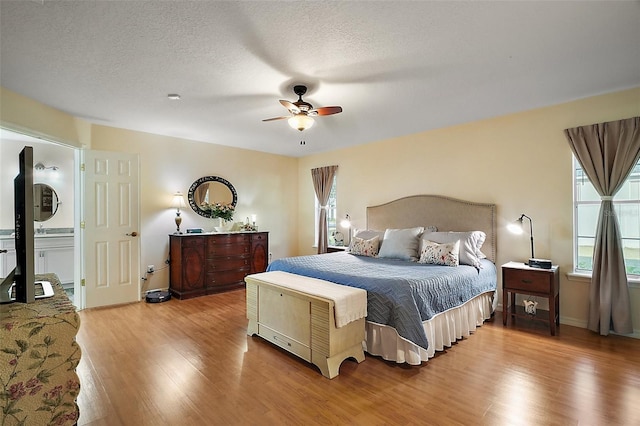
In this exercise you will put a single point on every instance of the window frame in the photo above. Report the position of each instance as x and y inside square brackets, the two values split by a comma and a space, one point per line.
[580, 178]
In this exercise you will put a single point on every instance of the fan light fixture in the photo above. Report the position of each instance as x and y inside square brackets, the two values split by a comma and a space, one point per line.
[302, 112]
[301, 122]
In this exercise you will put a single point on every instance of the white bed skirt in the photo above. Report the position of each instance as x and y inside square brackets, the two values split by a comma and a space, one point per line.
[442, 330]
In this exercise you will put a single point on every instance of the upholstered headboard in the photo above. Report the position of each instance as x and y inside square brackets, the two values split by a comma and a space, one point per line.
[447, 214]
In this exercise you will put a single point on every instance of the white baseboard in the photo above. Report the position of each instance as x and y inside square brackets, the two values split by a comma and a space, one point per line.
[575, 322]
[634, 335]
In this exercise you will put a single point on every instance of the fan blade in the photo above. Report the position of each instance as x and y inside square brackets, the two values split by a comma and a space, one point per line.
[275, 118]
[293, 108]
[325, 110]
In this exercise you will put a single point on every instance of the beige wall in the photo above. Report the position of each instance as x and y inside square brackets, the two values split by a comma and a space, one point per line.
[520, 162]
[25, 115]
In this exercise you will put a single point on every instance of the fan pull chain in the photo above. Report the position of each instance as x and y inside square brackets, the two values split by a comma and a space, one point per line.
[303, 142]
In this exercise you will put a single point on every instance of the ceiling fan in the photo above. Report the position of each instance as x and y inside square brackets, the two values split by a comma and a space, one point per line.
[303, 112]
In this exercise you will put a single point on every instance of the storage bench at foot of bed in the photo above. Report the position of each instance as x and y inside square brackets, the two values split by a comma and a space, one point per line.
[302, 323]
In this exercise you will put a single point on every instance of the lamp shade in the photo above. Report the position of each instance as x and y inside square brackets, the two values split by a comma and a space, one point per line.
[178, 201]
[301, 122]
[516, 227]
[346, 222]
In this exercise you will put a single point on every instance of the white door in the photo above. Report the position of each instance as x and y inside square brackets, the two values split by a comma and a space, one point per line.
[111, 245]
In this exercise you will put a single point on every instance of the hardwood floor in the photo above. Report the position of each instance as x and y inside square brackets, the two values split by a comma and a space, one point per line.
[190, 362]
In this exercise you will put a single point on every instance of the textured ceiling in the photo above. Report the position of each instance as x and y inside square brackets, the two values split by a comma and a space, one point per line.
[396, 68]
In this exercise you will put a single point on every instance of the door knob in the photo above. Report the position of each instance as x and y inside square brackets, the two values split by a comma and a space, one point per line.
[133, 234]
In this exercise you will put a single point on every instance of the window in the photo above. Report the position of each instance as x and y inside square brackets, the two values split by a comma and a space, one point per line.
[331, 214]
[626, 204]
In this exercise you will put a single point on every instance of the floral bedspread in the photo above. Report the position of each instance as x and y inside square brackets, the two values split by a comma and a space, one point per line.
[38, 360]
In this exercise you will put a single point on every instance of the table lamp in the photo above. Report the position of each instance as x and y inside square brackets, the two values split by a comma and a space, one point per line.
[516, 228]
[178, 203]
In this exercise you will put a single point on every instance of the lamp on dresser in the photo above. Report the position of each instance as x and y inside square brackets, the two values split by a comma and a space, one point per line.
[178, 203]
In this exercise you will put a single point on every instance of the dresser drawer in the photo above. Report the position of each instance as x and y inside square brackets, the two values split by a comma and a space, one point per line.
[222, 239]
[228, 263]
[222, 278]
[527, 281]
[258, 237]
[285, 342]
[216, 250]
[192, 242]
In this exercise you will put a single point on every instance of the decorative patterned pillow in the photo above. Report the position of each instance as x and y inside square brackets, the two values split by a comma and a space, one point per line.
[470, 244]
[440, 254]
[363, 247]
[367, 234]
[401, 243]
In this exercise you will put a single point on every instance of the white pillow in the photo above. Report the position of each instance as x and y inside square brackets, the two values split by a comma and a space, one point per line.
[401, 243]
[470, 244]
[363, 247]
[440, 254]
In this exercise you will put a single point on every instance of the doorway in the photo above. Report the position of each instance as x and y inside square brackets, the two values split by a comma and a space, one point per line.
[54, 180]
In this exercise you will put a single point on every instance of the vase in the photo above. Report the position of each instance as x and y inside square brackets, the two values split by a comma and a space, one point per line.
[223, 225]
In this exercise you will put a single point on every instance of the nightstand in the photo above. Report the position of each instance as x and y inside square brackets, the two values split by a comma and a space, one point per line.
[520, 278]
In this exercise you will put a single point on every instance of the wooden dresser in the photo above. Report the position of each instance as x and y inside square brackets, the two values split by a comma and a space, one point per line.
[203, 264]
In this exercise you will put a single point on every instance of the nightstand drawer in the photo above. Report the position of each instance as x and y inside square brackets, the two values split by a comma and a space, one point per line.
[524, 280]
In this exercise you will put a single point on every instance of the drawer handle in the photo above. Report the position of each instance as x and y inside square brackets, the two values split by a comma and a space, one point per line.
[527, 281]
[276, 338]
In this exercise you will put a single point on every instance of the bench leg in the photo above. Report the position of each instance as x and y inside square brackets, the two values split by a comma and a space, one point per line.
[330, 367]
[252, 328]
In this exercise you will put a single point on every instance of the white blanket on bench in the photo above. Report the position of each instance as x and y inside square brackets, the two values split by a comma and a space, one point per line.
[350, 302]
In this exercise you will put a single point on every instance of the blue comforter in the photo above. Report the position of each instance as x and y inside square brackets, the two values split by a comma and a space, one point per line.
[400, 294]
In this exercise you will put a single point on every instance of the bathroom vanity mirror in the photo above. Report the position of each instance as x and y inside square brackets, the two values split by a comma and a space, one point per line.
[45, 202]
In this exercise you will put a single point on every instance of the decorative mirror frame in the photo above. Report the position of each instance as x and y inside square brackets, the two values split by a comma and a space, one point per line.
[196, 208]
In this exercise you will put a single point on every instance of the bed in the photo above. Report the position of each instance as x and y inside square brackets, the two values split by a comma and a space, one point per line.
[415, 309]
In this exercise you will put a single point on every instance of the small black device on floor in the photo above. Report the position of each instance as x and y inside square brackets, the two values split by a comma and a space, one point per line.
[158, 296]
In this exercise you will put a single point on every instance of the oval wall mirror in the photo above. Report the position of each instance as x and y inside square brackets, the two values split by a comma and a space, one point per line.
[211, 190]
[45, 202]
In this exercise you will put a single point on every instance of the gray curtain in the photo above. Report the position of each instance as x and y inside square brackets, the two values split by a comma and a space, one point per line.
[607, 153]
[322, 181]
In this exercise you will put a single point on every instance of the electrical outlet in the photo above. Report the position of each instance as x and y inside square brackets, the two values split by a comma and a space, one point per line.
[151, 269]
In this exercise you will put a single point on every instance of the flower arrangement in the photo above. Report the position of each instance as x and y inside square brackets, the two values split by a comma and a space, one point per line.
[248, 227]
[223, 211]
